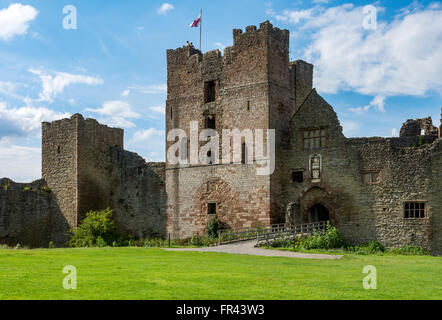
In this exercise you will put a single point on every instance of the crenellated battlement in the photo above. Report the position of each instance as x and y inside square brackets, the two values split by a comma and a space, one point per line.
[241, 40]
[265, 28]
[182, 55]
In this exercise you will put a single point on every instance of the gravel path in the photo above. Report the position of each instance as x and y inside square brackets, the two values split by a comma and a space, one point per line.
[248, 247]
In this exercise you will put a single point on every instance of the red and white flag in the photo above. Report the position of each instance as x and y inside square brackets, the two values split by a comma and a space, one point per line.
[196, 23]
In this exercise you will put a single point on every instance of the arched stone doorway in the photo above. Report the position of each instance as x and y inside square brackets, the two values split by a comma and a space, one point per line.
[315, 205]
[318, 213]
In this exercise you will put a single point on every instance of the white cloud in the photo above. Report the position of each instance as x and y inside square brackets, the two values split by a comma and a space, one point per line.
[25, 120]
[125, 93]
[350, 127]
[9, 89]
[7, 86]
[116, 113]
[295, 16]
[402, 57]
[19, 163]
[394, 132]
[377, 102]
[15, 19]
[150, 143]
[151, 89]
[158, 109]
[145, 135]
[53, 84]
[165, 8]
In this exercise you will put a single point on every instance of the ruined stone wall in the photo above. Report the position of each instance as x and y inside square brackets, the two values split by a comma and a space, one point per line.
[340, 188]
[110, 176]
[301, 78]
[138, 194]
[415, 127]
[88, 169]
[405, 169]
[404, 175]
[94, 164]
[59, 164]
[29, 215]
[435, 197]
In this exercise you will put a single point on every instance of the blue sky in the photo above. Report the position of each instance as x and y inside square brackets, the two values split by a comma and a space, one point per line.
[113, 66]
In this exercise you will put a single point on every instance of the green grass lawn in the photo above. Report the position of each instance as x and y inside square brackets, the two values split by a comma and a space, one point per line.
[141, 273]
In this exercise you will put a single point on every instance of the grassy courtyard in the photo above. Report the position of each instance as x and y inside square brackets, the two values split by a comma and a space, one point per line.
[142, 273]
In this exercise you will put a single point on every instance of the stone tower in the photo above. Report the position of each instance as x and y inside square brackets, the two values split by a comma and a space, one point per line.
[75, 164]
[253, 86]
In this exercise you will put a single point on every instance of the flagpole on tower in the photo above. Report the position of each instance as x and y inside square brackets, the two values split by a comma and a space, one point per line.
[201, 27]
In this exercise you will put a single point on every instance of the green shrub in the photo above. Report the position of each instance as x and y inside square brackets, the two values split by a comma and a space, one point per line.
[329, 239]
[27, 189]
[410, 251]
[372, 247]
[97, 228]
[282, 242]
[51, 245]
[200, 241]
[196, 241]
[155, 243]
[181, 242]
[213, 227]
[99, 242]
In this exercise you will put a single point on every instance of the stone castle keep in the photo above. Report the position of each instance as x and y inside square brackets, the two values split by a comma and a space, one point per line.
[385, 189]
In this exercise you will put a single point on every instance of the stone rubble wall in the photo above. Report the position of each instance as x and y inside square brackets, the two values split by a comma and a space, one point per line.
[409, 170]
[29, 215]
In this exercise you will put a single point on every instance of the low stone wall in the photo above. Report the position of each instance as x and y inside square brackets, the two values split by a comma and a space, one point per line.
[29, 215]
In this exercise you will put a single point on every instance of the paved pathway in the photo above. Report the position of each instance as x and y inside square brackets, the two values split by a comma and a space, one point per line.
[248, 247]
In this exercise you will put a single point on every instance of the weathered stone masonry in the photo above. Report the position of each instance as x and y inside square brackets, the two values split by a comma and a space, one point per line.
[84, 167]
[385, 189]
[365, 186]
[405, 169]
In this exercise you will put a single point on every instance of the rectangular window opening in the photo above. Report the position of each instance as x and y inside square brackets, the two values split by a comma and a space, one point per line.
[370, 177]
[414, 210]
[315, 138]
[211, 208]
[209, 91]
[298, 176]
[211, 122]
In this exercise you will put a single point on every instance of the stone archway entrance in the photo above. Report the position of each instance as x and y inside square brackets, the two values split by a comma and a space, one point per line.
[318, 213]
